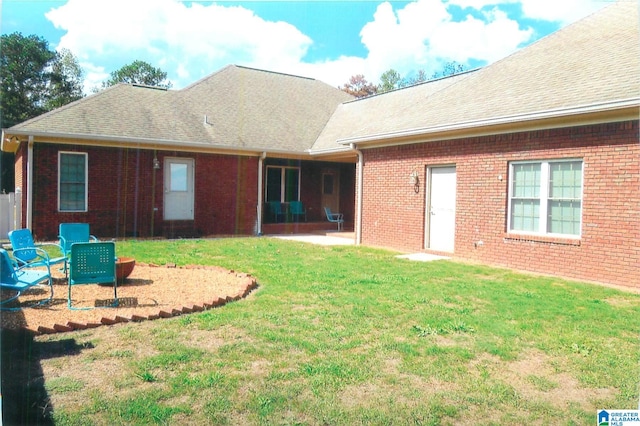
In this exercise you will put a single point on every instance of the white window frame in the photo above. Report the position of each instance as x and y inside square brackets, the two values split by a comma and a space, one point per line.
[545, 167]
[283, 181]
[86, 181]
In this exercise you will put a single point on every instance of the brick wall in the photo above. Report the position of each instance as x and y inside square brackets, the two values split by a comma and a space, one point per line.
[609, 248]
[226, 194]
[126, 193]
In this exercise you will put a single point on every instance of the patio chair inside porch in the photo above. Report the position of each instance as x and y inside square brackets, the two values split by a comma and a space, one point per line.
[24, 249]
[337, 218]
[93, 263]
[296, 210]
[70, 233]
[19, 278]
[276, 212]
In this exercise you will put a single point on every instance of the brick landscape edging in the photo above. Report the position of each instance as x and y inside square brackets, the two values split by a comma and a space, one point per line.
[245, 289]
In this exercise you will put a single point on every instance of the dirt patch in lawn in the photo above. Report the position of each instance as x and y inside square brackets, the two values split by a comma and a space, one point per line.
[534, 378]
[150, 292]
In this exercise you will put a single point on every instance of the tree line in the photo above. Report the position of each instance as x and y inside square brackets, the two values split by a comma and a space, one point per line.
[391, 79]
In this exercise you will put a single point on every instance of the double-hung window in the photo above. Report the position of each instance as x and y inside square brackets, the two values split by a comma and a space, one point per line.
[72, 182]
[545, 197]
[283, 184]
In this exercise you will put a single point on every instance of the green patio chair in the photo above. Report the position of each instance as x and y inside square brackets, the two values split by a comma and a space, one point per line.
[275, 209]
[24, 249]
[19, 278]
[296, 209]
[93, 263]
[70, 233]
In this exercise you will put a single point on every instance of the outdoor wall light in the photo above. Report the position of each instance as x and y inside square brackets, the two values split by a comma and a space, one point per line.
[156, 163]
[415, 181]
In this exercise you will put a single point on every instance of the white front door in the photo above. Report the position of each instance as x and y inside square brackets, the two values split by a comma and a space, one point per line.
[178, 189]
[441, 209]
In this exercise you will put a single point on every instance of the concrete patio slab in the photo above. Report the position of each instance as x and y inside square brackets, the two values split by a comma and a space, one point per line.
[321, 239]
[422, 257]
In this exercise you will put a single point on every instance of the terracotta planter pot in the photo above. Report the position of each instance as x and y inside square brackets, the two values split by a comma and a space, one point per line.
[124, 267]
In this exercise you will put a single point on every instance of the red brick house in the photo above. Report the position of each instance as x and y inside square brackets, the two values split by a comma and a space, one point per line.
[204, 160]
[531, 163]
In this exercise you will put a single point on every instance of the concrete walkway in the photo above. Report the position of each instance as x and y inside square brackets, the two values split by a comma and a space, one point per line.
[328, 239]
[348, 238]
[422, 257]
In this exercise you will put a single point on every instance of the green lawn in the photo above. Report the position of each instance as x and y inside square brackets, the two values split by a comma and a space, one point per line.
[352, 335]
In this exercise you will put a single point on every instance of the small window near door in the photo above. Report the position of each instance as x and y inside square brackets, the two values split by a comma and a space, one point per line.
[72, 182]
[178, 177]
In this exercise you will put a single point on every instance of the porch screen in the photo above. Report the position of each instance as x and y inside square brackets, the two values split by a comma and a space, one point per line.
[283, 184]
[72, 181]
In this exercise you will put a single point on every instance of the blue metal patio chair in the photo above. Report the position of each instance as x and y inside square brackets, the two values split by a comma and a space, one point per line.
[337, 218]
[16, 278]
[24, 249]
[70, 233]
[296, 209]
[275, 209]
[93, 263]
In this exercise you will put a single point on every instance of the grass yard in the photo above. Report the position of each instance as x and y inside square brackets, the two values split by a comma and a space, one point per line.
[351, 335]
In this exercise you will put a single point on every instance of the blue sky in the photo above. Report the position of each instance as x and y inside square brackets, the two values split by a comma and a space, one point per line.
[326, 40]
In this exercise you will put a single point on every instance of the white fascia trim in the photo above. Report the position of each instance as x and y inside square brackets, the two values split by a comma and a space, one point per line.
[509, 119]
[159, 144]
[328, 151]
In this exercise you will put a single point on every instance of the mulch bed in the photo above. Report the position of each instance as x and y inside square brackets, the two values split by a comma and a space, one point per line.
[150, 292]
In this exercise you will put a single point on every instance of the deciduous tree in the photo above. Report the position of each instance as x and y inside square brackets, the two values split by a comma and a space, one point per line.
[359, 87]
[450, 68]
[24, 75]
[67, 80]
[389, 80]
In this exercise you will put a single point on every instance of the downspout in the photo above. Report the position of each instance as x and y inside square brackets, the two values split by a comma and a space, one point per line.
[30, 183]
[260, 192]
[359, 185]
[153, 191]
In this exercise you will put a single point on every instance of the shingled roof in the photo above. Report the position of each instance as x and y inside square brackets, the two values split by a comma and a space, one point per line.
[589, 67]
[236, 108]
[589, 70]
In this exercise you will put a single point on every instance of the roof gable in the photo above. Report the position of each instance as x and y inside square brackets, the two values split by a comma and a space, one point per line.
[235, 108]
[591, 64]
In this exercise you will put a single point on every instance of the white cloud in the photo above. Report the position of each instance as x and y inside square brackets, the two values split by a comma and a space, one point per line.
[93, 76]
[562, 11]
[476, 39]
[187, 42]
[190, 42]
[424, 35]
